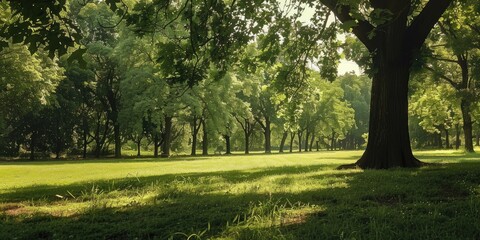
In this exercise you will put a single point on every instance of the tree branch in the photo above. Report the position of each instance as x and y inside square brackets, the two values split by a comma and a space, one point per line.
[361, 30]
[424, 22]
[449, 80]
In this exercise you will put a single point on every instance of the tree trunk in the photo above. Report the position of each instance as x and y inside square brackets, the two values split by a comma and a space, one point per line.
[311, 142]
[318, 147]
[138, 147]
[292, 136]
[307, 138]
[267, 133]
[447, 139]
[467, 125]
[282, 142]
[205, 138]
[388, 140]
[85, 134]
[457, 136]
[118, 140]
[247, 142]
[166, 138]
[440, 143]
[32, 146]
[227, 143]
[300, 133]
[195, 129]
[332, 141]
[155, 145]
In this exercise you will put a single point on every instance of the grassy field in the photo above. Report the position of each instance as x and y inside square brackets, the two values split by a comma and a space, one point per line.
[278, 196]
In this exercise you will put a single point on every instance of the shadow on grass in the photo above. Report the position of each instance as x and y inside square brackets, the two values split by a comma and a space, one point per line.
[436, 202]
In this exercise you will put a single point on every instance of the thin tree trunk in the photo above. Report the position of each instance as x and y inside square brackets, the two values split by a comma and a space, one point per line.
[155, 145]
[267, 133]
[205, 138]
[292, 136]
[311, 142]
[138, 147]
[247, 141]
[227, 143]
[457, 136]
[32, 146]
[282, 142]
[307, 138]
[118, 141]
[300, 133]
[195, 130]
[167, 138]
[447, 139]
[467, 125]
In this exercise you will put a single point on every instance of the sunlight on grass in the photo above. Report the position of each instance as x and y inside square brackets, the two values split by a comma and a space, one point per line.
[277, 196]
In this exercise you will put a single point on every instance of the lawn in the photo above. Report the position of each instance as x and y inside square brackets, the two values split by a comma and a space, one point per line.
[277, 196]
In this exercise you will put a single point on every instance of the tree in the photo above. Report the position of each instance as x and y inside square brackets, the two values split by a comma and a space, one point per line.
[393, 32]
[453, 55]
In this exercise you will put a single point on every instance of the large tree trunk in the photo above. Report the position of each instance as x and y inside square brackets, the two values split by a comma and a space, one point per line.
[282, 142]
[247, 142]
[388, 140]
[467, 124]
[166, 138]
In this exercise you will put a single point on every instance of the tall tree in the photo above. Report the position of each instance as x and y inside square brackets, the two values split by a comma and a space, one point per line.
[393, 32]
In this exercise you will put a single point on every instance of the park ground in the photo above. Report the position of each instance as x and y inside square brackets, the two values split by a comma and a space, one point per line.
[276, 196]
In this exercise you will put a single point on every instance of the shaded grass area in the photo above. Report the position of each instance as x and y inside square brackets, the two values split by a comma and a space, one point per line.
[297, 196]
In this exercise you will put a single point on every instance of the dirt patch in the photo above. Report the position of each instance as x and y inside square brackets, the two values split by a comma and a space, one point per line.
[12, 209]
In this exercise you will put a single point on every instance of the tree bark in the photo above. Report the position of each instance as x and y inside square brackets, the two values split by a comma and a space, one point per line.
[282, 142]
[166, 139]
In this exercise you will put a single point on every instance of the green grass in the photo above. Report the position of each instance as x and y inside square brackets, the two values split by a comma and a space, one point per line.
[277, 196]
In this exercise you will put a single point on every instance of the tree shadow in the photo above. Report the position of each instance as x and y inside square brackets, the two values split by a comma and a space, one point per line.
[435, 202]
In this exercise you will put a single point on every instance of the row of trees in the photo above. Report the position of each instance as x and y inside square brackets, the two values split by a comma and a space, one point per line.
[155, 70]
